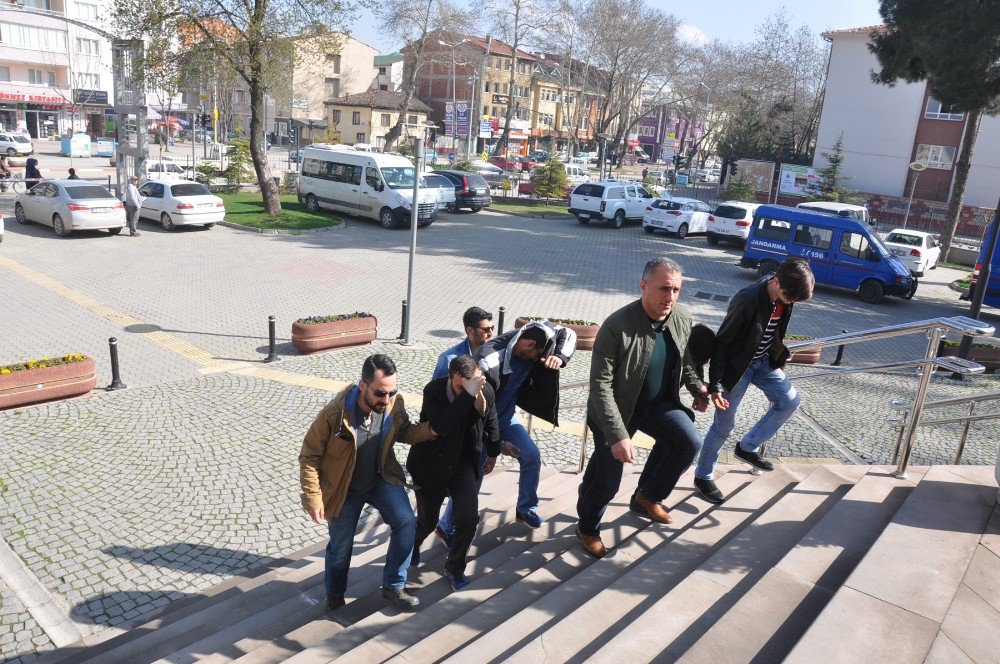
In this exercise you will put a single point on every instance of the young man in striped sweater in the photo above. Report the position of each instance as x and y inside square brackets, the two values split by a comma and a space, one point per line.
[750, 349]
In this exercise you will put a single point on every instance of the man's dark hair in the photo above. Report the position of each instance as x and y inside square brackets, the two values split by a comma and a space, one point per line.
[473, 316]
[701, 344]
[537, 335]
[668, 264]
[463, 365]
[796, 279]
[377, 362]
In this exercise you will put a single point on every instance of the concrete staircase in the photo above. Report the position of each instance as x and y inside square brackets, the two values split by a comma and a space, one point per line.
[806, 563]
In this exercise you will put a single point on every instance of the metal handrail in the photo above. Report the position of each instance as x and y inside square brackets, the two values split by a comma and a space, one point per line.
[967, 420]
[963, 324]
[979, 398]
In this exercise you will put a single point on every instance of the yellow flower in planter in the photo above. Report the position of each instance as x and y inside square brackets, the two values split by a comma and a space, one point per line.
[4, 372]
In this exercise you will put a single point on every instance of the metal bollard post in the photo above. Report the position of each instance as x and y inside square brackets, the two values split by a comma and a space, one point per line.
[402, 322]
[500, 320]
[271, 355]
[116, 379]
[840, 352]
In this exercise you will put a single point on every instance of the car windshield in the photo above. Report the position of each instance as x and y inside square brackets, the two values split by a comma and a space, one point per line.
[88, 191]
[398, 177]
[437, 181]
[192, 189]
[730, 212]
[904, 238]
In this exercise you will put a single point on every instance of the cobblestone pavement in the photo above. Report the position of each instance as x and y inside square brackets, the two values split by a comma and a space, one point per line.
[121, 502]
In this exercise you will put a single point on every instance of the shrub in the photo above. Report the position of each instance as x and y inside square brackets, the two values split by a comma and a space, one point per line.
[566, 321]
[464, 165]
[240, 168]
[550, 180]
[312, 320]
[739, 188]
[42, 363]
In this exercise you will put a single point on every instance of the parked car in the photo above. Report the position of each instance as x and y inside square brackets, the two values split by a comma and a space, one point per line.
[505, 163]
[175, 204]
[493, 175]
[166, 170]
[16, 144]
[859, 212]
[659, 177]
[471, 190]
[917, 250]
[680, 216]
[610, 200]
[730, 222]
[295, 156]
[442, 187]
[992, 295]
[71, 205]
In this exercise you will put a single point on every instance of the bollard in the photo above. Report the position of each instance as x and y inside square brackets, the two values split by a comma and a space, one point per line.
[402, 322]
[271, 355]
[116, 379]
[500, 321]
[840, 352]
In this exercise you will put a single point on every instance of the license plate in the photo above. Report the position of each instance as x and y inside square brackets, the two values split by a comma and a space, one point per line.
[206, 205]
[100, 209]
[898, 252]
[480, 191]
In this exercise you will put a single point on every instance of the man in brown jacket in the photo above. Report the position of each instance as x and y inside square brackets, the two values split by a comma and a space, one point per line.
[347, 462]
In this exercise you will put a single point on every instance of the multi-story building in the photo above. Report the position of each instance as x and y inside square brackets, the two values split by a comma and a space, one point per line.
[554, 108]
[368, 116]
[886, 129]
[55, 75]
[389, 72]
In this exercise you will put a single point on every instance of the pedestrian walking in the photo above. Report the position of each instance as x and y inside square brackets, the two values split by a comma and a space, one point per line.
[73, 175]
[750, 349]
[32, 175]
[645, 173]
[641, 359]
[347, 462]
[522, 366]
[461, 408]
[133, 201]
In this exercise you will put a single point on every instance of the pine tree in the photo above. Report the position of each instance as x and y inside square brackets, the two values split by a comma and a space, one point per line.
[831, 184]
[550, 180]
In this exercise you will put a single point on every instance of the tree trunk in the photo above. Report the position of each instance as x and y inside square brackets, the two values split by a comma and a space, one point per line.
[961, 181]
[258, 151]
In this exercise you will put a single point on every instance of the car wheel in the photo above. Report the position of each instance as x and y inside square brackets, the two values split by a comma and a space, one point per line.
[11, 152]
[167, 222]
[649, 229]
[60, 226]
[619, 219]
[115, 231]
[19, 214]
[767, 268]
[871, 292]
[712, 240]
[207, 226]
[386, 218]
[312, 205]
[682, 231]
[476, 208]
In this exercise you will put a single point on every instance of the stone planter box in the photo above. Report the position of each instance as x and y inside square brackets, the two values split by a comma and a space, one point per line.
[21, 388]
[312, 337]
[989, 357]
[585, 334]
[804, 356]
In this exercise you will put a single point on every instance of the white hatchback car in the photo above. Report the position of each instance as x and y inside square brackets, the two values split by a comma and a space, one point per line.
[71, 205]
[16, 144]
[730, 222]
[681, 216]
[919, 251]
[182, 203]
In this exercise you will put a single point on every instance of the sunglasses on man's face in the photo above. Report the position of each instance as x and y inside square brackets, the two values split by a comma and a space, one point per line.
[486, 329]
[382, 394]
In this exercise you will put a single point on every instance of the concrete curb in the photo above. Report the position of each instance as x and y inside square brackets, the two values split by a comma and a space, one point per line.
[281, 231]
[36, 598]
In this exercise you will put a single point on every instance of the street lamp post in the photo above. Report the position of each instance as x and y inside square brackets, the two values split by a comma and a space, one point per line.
[708, 109]
[916, 167]
[417, 142]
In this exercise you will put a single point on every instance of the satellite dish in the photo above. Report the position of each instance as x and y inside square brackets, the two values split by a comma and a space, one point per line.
[918, 166]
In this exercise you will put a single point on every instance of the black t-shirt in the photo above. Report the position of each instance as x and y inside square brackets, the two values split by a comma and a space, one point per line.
[369, 436]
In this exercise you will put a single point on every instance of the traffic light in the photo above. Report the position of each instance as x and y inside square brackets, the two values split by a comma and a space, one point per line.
[293, 136]
[677, 161]
[732, 167]
[432, 134]
[204, 119]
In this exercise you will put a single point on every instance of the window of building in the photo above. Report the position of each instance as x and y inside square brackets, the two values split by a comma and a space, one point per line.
[29, 36]
[384, 87]
[334, 59]
[35, 76]
[487, 86]
[239, 96]
[335, 116]
[356, 117]
[505, 88]
[496, 88]
[382, 71]
[86, 11]
[937, 111]
[936, 156]
[412, 119]
[496, 64]
[361, 137]
[486, 110]
[88, 81]
[333, 87]
[52, 78]
[386, 120]
[813, 236]
[86, 46]
[5, 73]
[37, 4]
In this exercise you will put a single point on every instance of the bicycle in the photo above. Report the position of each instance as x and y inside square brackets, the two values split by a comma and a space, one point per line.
[10, 182]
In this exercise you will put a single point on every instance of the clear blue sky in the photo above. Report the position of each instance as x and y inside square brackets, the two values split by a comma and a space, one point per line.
[732, 20]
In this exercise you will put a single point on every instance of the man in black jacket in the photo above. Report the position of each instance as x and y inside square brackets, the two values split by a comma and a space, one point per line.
[750, 349]
[450, 464]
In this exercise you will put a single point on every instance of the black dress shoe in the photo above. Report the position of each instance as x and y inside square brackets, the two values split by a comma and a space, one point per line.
[709, 490]
[401, 597]
[754, 459]
[334, 602]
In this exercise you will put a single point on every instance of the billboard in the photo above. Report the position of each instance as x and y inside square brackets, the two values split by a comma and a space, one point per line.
[761, 173]
[463, 118]
[797, 180]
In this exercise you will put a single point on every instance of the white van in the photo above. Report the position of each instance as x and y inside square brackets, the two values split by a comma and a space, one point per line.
[366, 184]
[858, 212]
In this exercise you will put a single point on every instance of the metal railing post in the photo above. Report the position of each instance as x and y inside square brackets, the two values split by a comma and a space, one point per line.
[271, 355]
[934, 337]
[116, 379]
[965, 433]
[500, 321]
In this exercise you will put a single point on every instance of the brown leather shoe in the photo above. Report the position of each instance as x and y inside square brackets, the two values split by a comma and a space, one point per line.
[592, 544]
[655, 511]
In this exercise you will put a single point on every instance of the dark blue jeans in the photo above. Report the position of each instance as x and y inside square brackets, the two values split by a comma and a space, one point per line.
[393, 505]
[676, 444]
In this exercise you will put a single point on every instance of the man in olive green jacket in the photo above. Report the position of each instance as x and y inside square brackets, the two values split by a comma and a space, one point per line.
[639, 363]
[347, 462]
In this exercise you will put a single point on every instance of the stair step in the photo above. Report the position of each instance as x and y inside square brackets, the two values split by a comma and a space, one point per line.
[490, 551]
[767, 621]
[905, 584]
[298, 632]
[432, 621]
[657, 572]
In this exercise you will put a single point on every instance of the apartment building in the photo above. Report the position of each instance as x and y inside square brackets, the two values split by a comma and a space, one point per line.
[55, 76]
[389, 72]
[368, 116]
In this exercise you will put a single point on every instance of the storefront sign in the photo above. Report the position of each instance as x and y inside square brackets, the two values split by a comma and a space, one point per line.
[797, 180]
[92, 97]
[485, 130]
[501, 99]
[31, 99]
